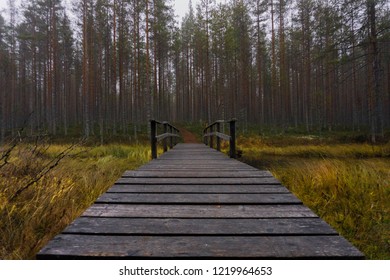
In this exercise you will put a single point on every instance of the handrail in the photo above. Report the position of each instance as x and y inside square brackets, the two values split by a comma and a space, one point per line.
[170, 132]
[209, 136]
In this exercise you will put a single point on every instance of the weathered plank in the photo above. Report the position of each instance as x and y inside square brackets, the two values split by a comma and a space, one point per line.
[193, 168]
[198, 181]
[254, 189]
[161, 198]
[240, 247]
[196, 174]
[198, 211]
[119, 226]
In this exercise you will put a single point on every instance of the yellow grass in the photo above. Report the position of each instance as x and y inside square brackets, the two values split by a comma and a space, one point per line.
[48, 205]
[348, 185]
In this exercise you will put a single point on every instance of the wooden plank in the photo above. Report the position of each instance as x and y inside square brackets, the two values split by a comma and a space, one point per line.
[196, 160]
[196, 174]
[184, 155]
[198, 211]
[203, 167]
[161, 198]
[245, 247]
[119, 226]
[185, 146]
[214, 161]
[255, 189]
[204, 151]
[198, 181]
[195, 167]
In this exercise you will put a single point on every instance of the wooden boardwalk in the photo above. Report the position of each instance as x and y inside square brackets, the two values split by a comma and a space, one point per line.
[194, 202]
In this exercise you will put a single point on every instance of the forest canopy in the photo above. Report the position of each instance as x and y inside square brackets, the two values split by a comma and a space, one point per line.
[107, 66]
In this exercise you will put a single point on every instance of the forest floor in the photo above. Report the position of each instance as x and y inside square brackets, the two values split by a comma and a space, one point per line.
[188, 136]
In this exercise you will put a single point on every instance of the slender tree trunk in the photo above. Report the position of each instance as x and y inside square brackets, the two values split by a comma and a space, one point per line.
[273, 65]
[85, 80]
[375, 108]
[147, 69]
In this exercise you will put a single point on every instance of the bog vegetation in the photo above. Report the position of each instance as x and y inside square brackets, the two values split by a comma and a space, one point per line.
[44, 186]
[344, 182]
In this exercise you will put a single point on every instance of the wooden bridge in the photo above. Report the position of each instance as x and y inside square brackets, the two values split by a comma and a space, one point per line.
[196, 203]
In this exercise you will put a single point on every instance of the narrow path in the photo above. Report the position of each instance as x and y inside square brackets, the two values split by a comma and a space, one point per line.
[188, 136]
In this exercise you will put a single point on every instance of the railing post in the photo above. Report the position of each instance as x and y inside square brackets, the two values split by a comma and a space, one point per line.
[165, 146]
[153, 139]
[233, 138]
[171, 130]
[175, 138]
[218, 139]
[211, 137]
[205, 139]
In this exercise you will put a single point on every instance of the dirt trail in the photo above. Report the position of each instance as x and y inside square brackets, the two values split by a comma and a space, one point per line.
[188, 136]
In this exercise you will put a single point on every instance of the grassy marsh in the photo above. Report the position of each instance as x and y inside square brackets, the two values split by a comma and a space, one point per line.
[346, 184]
[38, 199]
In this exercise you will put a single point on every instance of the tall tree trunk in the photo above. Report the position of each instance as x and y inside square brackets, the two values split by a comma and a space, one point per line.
[149, 98]
[375, 86]
[85, 76]
[273, 66]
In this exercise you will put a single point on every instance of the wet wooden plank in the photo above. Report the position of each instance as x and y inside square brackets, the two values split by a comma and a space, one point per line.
[255, 189]
[161, 198]
[198, 211]
[71, 246]
[221, 227]
[198, 181]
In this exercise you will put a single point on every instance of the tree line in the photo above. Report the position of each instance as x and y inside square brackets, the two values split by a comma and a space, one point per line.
[105, 67]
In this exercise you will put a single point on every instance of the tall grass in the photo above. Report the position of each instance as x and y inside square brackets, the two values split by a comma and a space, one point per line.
[348, 185]
[50, 202]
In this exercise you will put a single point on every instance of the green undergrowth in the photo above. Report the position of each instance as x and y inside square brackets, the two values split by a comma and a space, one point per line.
[346, 184]
[43, 187]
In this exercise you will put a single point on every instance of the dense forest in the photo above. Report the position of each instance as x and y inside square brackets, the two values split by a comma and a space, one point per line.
[107, 66]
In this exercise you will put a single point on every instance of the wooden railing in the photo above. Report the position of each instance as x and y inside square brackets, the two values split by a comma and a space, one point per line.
[170, 132]
[214, 130]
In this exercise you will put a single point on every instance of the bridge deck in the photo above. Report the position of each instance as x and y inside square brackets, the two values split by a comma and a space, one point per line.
[194, 202]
